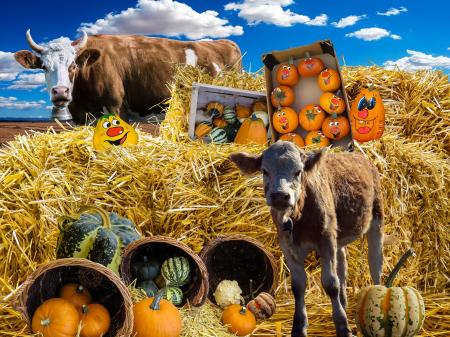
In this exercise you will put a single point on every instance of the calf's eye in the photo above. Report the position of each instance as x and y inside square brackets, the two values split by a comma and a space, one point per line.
[297, 173]
[264, 172]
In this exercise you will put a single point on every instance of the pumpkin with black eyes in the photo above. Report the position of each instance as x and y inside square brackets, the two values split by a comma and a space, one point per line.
[329, 80]
[287, 74]
[285, 120]
[336, 127]
[332, 103]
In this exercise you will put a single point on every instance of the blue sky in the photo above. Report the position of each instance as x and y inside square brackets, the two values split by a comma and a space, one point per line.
[409, 34]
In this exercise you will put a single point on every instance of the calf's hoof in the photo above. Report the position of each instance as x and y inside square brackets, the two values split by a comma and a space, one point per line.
[298, 332]
[345, 332]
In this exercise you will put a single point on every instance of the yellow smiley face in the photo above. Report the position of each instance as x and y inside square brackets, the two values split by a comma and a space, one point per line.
[112, 131]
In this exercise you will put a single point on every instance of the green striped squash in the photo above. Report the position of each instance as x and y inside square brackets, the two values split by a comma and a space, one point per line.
[218, 136]
[172, 294]
[386, 311]
[176, 271]
[229, 115]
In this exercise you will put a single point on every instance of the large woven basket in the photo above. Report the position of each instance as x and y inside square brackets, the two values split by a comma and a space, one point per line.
[105, 286]
[240, 258]
[161, 248]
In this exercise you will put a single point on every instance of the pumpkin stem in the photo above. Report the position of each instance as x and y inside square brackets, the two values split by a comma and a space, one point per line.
[370, 86]
[334, 115]
[84, 309]
[79, 289]
[410, 252]
[291, 60]
[156, 300]
[243, 310]
[307, 55]
[104, 215]
[251, 290]
[45, 322]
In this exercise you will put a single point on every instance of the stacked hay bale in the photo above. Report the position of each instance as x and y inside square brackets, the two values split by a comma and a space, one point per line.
[188, 190]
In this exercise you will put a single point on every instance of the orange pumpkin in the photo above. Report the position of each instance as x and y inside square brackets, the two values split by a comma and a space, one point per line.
[76, 294]
[220, 122]
[252, 131]
[310, 66]
[287, 74]
[336, 127]
[240, 321]
[242, 112]
[285, 120]
[259, 106]
[282, 96]
[311, 117]
[202, 129]
[294, 138]
[316, 139]
[329, 80]
[55, 317]
[332, 103]
[96, 320]
[367, 115]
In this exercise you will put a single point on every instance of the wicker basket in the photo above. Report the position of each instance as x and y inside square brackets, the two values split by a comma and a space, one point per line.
[240, 258]
[105, 286]
[161, 248]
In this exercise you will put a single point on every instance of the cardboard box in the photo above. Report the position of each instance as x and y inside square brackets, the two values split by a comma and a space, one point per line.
[306, 90]
[202, 94]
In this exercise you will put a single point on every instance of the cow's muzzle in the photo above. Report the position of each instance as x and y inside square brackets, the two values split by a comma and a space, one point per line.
[279, 200]
[61, 96]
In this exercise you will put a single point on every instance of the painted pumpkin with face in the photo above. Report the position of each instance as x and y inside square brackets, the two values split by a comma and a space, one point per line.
[316, 139]
[336, 127]
[287, 74]
[367, 115]
[112, 131]
[329, 80]
[285, 120]
[310, 66]
[332, 103]
[282, 96]
[311, 117]
[294, 138]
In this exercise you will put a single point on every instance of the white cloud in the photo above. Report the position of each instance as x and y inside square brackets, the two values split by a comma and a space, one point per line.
[163, 17]
[372, 34]
[272, 12]
[348, 21]
[9, 68]
[417, 60]
[393, 11]
[14, 103]
[28, 81]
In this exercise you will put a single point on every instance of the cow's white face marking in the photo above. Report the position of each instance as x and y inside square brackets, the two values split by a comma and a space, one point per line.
[191, 57]
[217, 68]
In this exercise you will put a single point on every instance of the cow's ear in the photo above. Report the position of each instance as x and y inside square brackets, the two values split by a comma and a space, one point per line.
[88, 57]
[312, 159]
[246, 163]
[28, 60]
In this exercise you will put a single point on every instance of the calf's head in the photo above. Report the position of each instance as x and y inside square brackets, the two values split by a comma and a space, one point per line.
[60, 60]
[283, 165]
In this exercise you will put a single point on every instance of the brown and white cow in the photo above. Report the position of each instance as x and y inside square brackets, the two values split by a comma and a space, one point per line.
[322, 202]
[122, 73]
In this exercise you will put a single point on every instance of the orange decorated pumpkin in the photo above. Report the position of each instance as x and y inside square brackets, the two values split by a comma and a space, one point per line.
[220, 122]
[336, 127]
[287, 74]
[240, 321]
[76, 294]
[242, 112]
[329, 80]
[252, 130]
[311, 117]
[367, 115]
[310, 66]
[285, 120]
[282, 96]
[332, 103]
[316, 139]
[96, 320]
[294, 138]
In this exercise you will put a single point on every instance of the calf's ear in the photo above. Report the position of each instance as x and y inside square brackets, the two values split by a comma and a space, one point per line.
[312, 159]
[246, 163]
[28, 60]
[88, 57]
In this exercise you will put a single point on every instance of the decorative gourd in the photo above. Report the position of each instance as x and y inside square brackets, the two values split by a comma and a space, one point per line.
[242, 112]
[332, 103]
[232, 130]
[149, 287]
[264, 116]
[311, 117]
[282, 96]
[262, 306]
[172, 294]
[217, 136]
[329, 80]
[96, 235]
[76, 294]
[259, 106]
[336, 127]
[55, 317]
[390, 311]
[156, 317]
[227, 293]
[287, 74]
[367, 115]
[146, 269]
[316, 139]
[160, 281]
[95, 320]
[294, 138]
[220, 122]
[176, 271]
[285, 120]
[203, 129]
[252, 130]
[215, 109]
[229, 115]
[310, 66]
[240, 321]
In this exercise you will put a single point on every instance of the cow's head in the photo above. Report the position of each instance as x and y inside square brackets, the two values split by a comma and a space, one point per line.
[60, 60]
[283, 164]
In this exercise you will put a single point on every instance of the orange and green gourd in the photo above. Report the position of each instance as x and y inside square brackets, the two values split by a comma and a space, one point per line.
[311, 117]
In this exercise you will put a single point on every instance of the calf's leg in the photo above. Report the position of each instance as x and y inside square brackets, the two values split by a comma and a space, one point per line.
[342, 275]
[375, 243]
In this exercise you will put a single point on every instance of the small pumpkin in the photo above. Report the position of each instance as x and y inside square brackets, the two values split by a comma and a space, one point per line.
[240, 321]
[149, 287]
[147, 269]
[242, 112]
[336, 127]
[264, 116]
[259, 106]
[229, 115]
[176, 271]
[172, 294]
[95, 320]
[262, 306]
[367, 115]
[316, 139]
[215, 109]
[390, 311]
[56, 317]
[75, 294]
[311, 117]
[217, 136]
[202, 129]
[332, 103]
[156, 317]
[252, 130]
[329, 80]
[282, 96]
[287, 74]
[310, 66]
[220, 122]
[294, 138]
[285, 120]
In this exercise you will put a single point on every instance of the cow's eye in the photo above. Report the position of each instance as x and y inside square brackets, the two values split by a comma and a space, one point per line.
[264, 172]
[106, 125]
[297, 173]
[115, 122]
